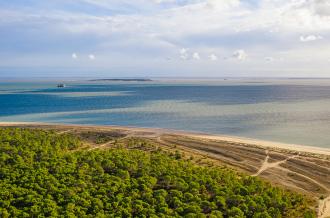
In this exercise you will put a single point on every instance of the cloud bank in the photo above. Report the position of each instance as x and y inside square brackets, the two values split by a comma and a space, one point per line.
[144, 34]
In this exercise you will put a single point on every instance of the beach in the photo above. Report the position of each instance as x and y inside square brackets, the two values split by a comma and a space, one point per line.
[198, 135]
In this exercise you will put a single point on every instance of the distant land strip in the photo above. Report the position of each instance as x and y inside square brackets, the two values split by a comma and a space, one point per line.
[121, 80]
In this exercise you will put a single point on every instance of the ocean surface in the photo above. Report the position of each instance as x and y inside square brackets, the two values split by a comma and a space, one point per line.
[285, 110]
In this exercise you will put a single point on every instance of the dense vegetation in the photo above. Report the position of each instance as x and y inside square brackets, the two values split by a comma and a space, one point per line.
[43, 174]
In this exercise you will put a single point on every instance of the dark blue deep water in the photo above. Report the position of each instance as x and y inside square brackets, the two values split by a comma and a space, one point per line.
[285, 111]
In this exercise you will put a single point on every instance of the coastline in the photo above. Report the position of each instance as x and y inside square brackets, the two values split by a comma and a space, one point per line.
[204, 136]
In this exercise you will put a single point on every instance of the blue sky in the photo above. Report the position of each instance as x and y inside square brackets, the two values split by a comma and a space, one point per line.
[204, 38]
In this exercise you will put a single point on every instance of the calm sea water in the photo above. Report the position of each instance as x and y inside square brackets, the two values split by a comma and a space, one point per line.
[290, 111]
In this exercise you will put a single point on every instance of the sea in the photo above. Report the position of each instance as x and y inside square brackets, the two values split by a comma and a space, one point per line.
[294, 111]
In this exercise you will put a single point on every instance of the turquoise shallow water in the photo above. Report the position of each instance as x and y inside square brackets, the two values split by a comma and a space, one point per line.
[289, 111]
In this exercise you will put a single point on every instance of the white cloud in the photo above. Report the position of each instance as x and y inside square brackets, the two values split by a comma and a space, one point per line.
[320, 7]
[91, 57]
[240, 55]
[269, 59]
[310, 38]
[164, 1]
[196, 56]
[184, 54]
[183, 51]
[213, 57]
[219, 4]
[74, 56]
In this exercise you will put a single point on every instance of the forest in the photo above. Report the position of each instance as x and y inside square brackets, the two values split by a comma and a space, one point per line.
[44, 174]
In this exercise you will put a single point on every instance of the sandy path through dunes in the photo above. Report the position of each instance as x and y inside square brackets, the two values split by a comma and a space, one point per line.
[324, 208]
[266, 165]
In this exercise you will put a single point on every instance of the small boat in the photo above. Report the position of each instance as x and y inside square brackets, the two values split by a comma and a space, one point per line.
[60, 85]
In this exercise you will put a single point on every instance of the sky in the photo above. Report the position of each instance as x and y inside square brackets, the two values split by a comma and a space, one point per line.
[165, 38]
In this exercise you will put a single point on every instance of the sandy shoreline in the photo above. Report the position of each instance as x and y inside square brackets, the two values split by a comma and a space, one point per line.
[226, 138]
